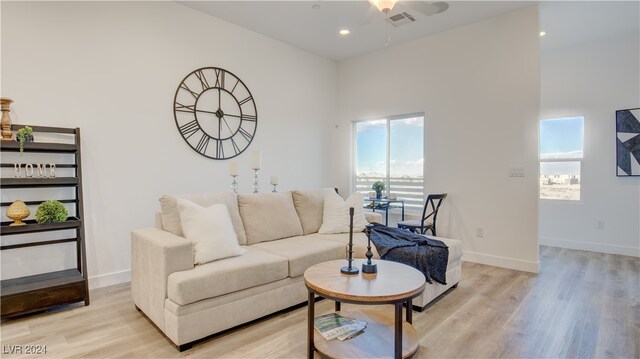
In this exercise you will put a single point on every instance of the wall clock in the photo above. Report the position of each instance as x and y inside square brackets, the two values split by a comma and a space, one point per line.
[215, 113]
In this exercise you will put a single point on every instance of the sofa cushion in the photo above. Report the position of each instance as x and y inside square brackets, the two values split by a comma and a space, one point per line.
[225, 276]
[268, 216]
[210, 229]
[309, 205]
[171, 216]
[303, 252]
[335, 214]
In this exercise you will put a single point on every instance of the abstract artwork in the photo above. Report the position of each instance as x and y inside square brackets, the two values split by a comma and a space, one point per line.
[628, 142]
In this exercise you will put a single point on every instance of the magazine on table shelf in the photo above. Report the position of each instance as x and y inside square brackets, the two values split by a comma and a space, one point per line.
[334, 326]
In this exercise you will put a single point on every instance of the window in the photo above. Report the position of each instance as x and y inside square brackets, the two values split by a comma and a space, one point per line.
[561, 142]
[391, 150]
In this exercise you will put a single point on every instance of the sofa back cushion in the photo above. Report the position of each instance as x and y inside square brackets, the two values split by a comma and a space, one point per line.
[309, 205]
[171, 216]
[268, 216]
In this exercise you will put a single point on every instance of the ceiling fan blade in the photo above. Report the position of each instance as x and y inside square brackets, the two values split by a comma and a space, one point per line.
[426, 8]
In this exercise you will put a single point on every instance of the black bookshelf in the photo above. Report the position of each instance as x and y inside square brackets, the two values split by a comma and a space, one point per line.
[42, 291]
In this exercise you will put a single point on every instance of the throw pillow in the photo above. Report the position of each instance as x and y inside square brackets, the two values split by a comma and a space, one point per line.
[211, 231]
[335, 216]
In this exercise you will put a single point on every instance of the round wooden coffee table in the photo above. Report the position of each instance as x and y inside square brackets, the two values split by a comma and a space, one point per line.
[394, 283]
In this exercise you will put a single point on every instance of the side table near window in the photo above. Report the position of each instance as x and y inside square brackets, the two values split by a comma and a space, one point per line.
[384, 204]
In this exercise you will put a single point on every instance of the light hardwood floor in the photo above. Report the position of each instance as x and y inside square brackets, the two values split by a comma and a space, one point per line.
[580, 305]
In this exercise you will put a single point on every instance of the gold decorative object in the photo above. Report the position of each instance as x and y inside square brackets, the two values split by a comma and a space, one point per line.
[6, 120]
[18, 211]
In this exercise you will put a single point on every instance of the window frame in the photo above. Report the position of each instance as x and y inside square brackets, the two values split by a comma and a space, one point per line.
[560, 159]
[354, 149]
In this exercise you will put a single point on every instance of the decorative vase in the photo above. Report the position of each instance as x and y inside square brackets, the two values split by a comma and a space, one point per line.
[6, 120]
[378, 195]
[18, 211]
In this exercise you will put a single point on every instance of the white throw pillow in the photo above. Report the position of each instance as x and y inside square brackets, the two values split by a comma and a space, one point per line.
[211, 231]
[335, 216]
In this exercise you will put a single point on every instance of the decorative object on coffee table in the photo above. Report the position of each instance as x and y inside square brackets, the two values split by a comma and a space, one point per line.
[274, 183]
[350, 269]
[5, 104]
[215, 113]
[369, 267]
[378, 186]
[628, 142]
[18, 211]
[51, 212]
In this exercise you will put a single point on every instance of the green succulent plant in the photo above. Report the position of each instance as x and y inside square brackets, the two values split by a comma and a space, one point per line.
[51, 211]
[22, 136]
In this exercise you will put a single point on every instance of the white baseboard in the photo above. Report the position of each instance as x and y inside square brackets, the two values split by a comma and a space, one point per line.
[105, 280]
[590, 246]
[488, 259]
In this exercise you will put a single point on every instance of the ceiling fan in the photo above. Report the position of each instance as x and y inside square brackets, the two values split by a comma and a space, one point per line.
[424, 8]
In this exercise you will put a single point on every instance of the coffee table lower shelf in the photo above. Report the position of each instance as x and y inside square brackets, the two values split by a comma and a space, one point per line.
[377, 340]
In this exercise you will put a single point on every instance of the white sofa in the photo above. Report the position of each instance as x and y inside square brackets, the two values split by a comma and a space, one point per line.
[188, 302]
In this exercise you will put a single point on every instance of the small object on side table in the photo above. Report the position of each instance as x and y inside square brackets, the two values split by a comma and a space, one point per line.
[369, 267]
[350, 270]
[274, 183]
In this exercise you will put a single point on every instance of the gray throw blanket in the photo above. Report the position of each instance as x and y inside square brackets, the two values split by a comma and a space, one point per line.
[430, 256]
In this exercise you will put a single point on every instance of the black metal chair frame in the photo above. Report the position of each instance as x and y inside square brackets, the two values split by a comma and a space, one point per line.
[434, 201]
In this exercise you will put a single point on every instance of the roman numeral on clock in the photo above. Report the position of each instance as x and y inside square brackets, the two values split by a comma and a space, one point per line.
[188, 129]
[245, 134]
[186, 88]
[203, 79]
[249, 98]
[203, 143]
[220, 74]
[251, 118]
[219, 149]
[185, 108]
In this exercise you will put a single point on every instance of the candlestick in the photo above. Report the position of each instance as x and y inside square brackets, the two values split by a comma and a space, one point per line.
[257, 160]
[255, 185]
[234, 184]
[233, 168]
[350, 269]
[274, 188]
[6, 120]
[274, 180]
[369, 267]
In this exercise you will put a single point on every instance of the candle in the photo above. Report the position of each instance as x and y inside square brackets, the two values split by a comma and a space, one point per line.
[257, 159]
[233, 168]
[274, 180]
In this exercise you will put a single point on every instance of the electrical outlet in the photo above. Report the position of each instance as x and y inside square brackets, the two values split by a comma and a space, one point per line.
[600, 224]
[516, 172]
[480, 232]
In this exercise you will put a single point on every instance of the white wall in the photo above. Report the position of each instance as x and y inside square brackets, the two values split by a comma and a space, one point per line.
[112, 68]
[594, 80]
[479, 89]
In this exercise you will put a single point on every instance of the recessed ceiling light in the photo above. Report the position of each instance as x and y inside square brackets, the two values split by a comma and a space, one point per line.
[542, 33]
[315, 7]
[344, 32]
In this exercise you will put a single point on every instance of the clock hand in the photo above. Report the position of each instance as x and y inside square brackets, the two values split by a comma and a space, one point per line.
[228, 114]
[205, 111]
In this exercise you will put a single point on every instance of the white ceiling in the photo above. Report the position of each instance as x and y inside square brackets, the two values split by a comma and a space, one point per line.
[316, 30]
[297, 23]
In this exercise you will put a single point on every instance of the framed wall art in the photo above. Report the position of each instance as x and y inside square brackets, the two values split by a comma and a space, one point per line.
[628, 142]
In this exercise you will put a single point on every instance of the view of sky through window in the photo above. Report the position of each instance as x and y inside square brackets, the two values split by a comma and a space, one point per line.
[561, 149]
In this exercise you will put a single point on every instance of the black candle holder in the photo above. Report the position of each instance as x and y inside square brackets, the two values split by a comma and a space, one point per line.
[350, 270]
[369, 267]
